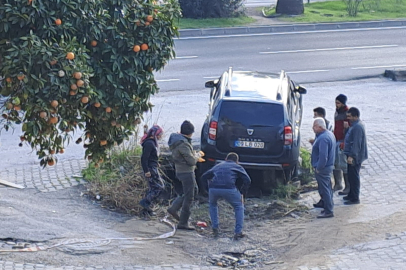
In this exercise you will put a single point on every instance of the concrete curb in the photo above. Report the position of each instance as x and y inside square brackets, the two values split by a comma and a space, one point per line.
[187, 33]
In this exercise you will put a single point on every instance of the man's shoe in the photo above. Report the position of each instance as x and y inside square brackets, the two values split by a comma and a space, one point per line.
[145, 205]
[344, 192]
[350, 202]
[347, 198]
[238, 236]
[173, 214]
[215, 233]
[185, 227]
[320, 204]
[324, 215]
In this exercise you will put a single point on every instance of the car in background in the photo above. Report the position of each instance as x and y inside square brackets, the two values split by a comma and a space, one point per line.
[256, 115]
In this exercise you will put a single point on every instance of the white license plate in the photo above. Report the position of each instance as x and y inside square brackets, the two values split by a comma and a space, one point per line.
[249, 144]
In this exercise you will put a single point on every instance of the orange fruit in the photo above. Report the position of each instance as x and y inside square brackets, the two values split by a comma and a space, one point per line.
[43, 115]
[113, 123]
[156, 11]
[85, 100]
[147, 23]
[54, 103]
[29, 2]
[136, 48]
[53, 120]
[52, 152]
[20, 76]
[72, 92]
[9, 106]
[80, 83]
[103, 142]
[97, 104]
[58, 21]
[88, 135]
[96, 165]
[108, 109]
[17, 107]
[149, 18]
[70, 56]
[144, 47]
[73, 87]
[77, 75]
[61, 151]
[93, 43]
[8, 79]
[51, 162]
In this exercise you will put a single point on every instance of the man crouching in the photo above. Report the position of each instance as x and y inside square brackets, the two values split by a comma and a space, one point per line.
[222, 179]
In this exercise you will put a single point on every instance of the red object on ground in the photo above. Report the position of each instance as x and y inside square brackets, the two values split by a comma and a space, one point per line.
[201, 224]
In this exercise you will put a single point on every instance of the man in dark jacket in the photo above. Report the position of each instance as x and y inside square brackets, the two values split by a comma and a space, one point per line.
[341, 125]
[323, 154]
[185, 162]
[356, 150]
[222, 181]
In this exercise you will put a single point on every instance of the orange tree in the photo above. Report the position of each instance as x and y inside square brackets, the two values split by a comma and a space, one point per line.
[84, 66]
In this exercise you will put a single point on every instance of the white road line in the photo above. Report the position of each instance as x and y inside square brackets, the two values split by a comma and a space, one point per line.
[212, 77]
[168, 80]
[379, 67]
[296, 32]
[332, 49]
[307, 71]
[185, 57]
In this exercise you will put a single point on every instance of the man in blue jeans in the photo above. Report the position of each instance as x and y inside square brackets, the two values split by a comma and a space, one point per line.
[222, 179]
[323, 155]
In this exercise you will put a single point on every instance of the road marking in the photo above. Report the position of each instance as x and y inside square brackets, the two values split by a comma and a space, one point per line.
[332, 49]
[307, 71]
[296, 32]
[186, 57]
[212, 77]
[379, 67]
[168, 80]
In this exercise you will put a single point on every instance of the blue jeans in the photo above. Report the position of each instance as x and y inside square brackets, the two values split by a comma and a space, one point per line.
[233, 197]
[323, 178]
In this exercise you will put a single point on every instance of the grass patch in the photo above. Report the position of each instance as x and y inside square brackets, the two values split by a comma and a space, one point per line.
[335, 11]
[186, 23]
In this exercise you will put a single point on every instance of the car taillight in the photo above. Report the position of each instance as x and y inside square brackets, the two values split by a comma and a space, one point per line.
[213, 130]
[288, 135]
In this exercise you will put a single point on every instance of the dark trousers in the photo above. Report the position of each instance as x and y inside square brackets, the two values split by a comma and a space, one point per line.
[185, 200]
[323, 179]
[355, 182]
[155, 187]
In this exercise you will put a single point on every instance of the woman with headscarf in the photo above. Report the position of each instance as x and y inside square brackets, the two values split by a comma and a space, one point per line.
[149, 162]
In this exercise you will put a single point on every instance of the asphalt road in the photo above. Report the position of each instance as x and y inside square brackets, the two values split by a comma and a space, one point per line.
[314, 56]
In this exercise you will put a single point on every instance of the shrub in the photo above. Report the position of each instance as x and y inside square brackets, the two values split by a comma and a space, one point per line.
[211, 8]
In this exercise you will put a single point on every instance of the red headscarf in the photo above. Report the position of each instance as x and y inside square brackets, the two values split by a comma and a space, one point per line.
[153, 132]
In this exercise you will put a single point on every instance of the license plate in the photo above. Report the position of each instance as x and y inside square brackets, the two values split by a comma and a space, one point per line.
[248, 144]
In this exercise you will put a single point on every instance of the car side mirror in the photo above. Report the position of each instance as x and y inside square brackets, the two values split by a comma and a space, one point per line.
[210, 84]
[300, 89]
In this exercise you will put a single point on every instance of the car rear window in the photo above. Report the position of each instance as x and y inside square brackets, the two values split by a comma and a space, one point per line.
[252, 113]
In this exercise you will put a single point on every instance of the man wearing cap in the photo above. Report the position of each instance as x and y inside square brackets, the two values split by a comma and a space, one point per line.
[185, 160]
[341, 124]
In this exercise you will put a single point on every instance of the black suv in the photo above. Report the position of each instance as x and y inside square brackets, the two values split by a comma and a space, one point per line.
[256, 115]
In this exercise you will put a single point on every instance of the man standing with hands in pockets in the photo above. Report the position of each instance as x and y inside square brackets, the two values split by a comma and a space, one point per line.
[323, 154]
[222, 179]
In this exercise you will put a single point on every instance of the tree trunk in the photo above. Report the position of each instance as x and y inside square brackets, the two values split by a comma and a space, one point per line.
[290, 7]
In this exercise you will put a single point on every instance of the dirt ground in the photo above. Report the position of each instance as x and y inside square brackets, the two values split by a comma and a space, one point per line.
[279, 236]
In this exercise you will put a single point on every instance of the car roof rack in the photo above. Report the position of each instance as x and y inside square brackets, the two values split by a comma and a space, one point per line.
[228, 87]
[281, 77]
